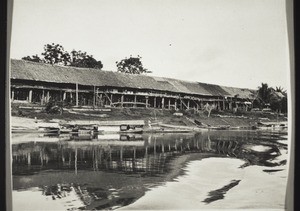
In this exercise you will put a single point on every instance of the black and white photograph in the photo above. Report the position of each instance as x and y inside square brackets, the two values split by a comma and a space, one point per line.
[149, 105]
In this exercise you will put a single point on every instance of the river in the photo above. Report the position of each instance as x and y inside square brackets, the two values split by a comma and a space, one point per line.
[207, 170]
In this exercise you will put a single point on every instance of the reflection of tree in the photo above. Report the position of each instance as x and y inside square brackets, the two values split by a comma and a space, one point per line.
[241, 151]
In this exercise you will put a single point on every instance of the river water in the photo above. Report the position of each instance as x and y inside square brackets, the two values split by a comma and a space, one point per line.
[210, 169]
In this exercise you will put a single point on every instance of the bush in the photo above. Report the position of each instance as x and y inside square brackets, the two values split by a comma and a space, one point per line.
[53, 107]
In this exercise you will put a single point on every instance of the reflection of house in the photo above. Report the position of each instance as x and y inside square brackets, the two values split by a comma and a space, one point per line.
[39, 83]
[148, 156]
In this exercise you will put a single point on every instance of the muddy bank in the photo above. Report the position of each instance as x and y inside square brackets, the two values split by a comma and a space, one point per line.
[217, 118]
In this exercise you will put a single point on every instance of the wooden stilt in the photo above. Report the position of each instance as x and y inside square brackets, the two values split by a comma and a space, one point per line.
[94, 97]
[12, 95]
[101, 100]
[162, 102]
[122, 100]
[75, 166]
[147, 101]
[28, 159]
[48, 96]
[30, 96]
[134, 101]
[180, 104]
[134, 152]
[169, 106]
[121, 154]
[154, 146]
[154, 104]
[77, 94]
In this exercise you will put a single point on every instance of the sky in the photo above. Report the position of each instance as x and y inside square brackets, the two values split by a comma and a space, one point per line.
[239, 43]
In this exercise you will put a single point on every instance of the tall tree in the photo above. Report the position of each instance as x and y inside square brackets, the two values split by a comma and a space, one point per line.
[55, 54]
[264, 93]
[277, 98]
[82, 59]
[280, 89]
[131, 65]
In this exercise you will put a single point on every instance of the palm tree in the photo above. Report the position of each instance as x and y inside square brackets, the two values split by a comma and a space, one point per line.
[264, 93]
[280, 89]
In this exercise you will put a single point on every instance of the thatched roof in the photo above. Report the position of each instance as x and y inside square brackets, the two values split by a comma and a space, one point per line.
[27, 70]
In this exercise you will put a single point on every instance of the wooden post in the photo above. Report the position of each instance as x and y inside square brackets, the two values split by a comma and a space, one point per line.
[111, 99]
[121, 153]
[97, 98]
[175, 104]
[197, 106]
[110, 156]
[101, 100]
[188, 104]
[12, 95]
[224, 104]
[30, 96]
[43, 98]
[219, 104]
[77, 94]
[154, 104]
[41, 158]
[48, 97]
[169, 106]
[75, 162]
[64, 95]
[94, 97]
[28, 159]
[162, 102]
[134, 153]
[134, 101]
[154, 146]
[122, 100]
[147, 101]
[71, 97]
[180, 104]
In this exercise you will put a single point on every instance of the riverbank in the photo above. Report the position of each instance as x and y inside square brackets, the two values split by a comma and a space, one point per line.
[30, 114]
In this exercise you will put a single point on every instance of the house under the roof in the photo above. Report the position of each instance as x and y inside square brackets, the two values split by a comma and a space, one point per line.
[39, 83]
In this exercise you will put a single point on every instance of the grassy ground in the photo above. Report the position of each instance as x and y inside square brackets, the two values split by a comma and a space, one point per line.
[166, 116]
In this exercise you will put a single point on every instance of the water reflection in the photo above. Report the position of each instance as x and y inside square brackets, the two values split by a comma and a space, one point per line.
[114, 170]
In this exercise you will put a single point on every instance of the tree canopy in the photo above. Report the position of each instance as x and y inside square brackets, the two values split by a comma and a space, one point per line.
[82, 59]
[275, 98]
[55, 54]
[131, 65]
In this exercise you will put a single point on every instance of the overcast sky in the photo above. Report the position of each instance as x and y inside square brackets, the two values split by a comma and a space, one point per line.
[237, 43]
